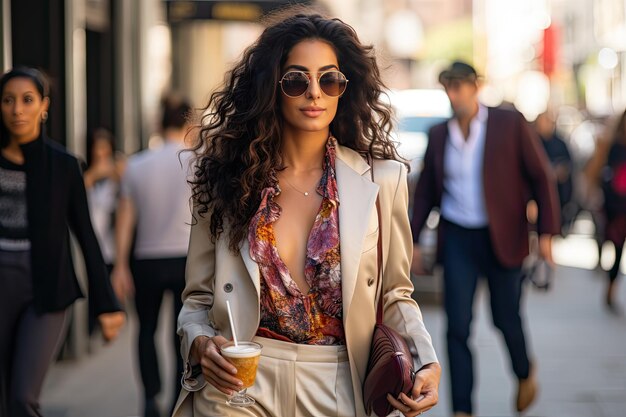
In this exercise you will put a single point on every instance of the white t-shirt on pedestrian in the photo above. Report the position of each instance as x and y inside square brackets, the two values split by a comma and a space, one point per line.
[156, 182]
[102, 199]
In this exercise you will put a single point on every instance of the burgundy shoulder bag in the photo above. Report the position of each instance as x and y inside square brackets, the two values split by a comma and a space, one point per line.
[390, 366]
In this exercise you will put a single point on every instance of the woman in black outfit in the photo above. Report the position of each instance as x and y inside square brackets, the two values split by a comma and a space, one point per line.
[614, 188]
[42, 198]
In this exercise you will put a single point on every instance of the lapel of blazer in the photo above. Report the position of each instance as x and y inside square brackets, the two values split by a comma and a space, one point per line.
[251, 266]
[357, 198]
[488, 155]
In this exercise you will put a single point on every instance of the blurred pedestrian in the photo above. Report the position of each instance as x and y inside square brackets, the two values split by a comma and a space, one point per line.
[155, 202]
[591, 195]
[102, 181]
[42, 198]
[562, 164]
[286, 229]
[614, 188]
[480, 168]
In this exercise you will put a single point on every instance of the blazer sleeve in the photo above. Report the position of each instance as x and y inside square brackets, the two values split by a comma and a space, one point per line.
[400, 310]
[424, 195]
[542, 180]
[100, 291]
[197, 298]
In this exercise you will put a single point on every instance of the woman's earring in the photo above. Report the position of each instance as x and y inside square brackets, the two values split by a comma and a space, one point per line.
[44, 116]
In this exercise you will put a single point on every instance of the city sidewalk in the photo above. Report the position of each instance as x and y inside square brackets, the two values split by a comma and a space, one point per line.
[577, 344]
[580, 351]
[106, 383]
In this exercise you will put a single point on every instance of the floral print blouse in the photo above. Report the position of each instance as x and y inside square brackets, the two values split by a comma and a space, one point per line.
[287, 314]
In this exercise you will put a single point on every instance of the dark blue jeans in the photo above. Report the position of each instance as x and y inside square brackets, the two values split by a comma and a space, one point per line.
[468, 254]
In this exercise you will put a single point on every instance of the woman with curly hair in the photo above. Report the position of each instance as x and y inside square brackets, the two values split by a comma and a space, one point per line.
[286, 230]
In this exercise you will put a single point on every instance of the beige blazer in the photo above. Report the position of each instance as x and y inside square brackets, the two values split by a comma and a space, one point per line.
[214, 274]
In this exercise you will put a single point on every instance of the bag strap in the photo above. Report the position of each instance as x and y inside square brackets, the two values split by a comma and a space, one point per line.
[379, 255]
[379, 260]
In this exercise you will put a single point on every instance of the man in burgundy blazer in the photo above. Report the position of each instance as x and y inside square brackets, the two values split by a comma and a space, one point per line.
[480, 169]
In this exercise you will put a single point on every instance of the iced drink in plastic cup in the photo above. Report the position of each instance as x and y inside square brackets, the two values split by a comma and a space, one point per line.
[244, 357]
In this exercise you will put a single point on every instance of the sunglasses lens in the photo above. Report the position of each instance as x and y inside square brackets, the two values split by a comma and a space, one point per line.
[333, 83]
[294, 83]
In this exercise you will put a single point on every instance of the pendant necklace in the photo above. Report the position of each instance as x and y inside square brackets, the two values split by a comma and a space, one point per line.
[304, 193]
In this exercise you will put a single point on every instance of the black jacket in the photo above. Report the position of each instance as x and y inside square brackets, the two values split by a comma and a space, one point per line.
[57, 203]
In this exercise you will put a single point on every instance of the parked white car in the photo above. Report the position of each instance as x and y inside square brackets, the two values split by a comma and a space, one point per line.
[416, 111]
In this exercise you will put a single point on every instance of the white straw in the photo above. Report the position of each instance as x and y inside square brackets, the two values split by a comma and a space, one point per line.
[232, 326]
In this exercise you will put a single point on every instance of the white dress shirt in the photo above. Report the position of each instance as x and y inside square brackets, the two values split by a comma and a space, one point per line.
[463, 199]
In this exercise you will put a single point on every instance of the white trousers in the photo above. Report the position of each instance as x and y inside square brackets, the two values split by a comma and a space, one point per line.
[292, 380]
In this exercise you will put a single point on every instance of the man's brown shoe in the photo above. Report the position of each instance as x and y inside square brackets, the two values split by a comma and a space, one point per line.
[526, 391]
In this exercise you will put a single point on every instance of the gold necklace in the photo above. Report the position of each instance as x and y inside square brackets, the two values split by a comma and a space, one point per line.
[304, 193]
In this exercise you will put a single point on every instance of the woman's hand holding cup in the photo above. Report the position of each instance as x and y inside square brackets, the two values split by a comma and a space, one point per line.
[217, 371]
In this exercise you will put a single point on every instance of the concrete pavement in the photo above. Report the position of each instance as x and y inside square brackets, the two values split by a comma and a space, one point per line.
[578, 347]
[580, 350]
[106, 383]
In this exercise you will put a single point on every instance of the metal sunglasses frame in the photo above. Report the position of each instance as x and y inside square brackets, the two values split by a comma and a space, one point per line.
[307, 74]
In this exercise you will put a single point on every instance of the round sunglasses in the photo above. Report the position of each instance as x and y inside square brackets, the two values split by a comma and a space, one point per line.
[295, 83]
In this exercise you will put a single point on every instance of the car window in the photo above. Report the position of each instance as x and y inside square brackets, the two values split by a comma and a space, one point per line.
[418, 124]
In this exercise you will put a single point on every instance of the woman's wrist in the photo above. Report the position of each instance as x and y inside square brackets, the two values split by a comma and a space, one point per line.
[433, 365]
[198, 347]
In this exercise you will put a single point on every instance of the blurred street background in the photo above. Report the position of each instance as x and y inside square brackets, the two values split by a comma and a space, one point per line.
[111, 62]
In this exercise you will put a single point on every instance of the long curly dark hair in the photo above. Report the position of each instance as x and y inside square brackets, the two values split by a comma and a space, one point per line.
[239, 140]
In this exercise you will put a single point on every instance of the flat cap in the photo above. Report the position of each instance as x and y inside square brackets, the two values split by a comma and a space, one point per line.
[458, 70]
